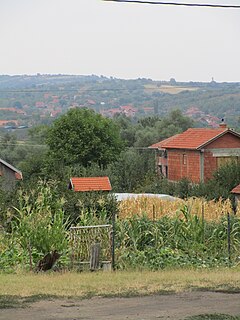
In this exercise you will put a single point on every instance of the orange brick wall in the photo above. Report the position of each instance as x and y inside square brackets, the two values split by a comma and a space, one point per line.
[178, 170]
[191, 170]
[210, 162]
[210, 165]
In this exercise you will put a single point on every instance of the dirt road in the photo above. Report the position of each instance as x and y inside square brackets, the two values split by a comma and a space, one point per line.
[174, 306]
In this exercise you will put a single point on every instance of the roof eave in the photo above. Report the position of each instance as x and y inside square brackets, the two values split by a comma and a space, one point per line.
[71, 185]
[216, 137]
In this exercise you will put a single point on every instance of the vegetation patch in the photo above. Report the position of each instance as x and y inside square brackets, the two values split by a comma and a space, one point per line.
[215, 316]
[7, 302]
[14, 301]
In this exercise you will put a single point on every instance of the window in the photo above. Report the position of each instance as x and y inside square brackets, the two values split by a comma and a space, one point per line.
[184, 160]
[222, 161]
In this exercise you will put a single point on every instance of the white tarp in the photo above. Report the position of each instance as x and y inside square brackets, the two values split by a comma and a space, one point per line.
[124, 196]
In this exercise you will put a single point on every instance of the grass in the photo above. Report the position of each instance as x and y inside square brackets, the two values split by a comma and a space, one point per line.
[169, 89]
[124, 283]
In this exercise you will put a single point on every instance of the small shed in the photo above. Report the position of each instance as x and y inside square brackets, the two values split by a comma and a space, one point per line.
[9, 175]
[236, 192]
[89, 184]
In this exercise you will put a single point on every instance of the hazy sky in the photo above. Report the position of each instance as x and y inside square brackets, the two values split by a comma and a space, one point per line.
[120, 40]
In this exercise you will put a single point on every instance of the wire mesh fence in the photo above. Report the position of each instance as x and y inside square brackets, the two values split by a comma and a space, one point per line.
[91, 246]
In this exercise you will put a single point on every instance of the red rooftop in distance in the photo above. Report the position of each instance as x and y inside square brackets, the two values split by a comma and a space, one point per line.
[90, 184]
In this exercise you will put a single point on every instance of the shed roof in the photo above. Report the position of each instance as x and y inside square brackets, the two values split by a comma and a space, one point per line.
[90, 184]
[236, 189]
[193, 138]
[18, 173]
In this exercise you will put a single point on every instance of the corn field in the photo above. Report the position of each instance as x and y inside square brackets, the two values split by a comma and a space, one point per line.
[155, 208]
[150, 233]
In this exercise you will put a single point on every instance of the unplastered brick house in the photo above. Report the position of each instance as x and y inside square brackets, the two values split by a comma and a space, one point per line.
[196, 153]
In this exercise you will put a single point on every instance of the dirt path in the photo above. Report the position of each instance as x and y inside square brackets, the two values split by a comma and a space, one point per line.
[174, 306]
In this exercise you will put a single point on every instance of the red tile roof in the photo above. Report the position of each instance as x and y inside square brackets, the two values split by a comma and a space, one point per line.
[236, 189]
[7, 122]
[158, 145]
[90, 184]
[193, 138]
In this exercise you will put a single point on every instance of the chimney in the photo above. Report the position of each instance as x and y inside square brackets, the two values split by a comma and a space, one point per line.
[223, 124]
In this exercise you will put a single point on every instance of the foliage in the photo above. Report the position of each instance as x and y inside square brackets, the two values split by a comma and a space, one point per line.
[38, 226]
[11, 254]
[149, 130]
[38, 134]
[175, 242]
[82, 136]
[180, 239]
[132, 170]
[224, 180]
[81, 206]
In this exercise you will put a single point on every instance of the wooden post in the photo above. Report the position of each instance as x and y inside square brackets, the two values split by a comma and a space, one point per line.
[229, 236]
[154, 213]
[30, 256]
[113, 240]
[203, 224]
[95, 257]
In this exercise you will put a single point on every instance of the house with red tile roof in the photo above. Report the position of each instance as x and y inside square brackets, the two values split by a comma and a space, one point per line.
[129, 111]
[90, 184]
[196, 153]
[8, 122]
[40, 104]
[15, 110]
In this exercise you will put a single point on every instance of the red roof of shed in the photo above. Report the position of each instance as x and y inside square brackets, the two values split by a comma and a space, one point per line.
[90, 184]
[193, 138]
[236, 189]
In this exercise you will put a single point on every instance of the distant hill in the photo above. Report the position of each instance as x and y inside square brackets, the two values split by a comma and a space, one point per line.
[44, 97]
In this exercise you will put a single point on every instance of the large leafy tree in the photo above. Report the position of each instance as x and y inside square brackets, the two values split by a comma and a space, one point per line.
[82, 136]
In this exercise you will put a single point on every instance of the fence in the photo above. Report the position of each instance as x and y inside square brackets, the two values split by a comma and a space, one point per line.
[91, 246]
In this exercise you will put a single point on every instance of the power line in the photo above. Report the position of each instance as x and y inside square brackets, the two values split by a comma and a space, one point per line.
[61, 90]
[223, 6]
[75, 90]
[22, 144]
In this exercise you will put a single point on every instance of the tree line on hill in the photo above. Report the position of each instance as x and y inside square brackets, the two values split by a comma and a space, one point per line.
[148, 97]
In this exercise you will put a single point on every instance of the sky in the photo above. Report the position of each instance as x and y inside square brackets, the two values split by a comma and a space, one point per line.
[121, 40]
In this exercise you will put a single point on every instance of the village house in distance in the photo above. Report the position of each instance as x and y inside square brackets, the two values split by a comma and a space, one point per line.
[196, 153]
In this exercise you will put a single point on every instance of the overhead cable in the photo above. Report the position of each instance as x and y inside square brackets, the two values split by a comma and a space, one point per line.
[78, 91]
[223, 6]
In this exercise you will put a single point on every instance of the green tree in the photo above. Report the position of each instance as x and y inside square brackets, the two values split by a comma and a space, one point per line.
[175, 122]
[132, 170]
[38, 134]
[84, 137]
